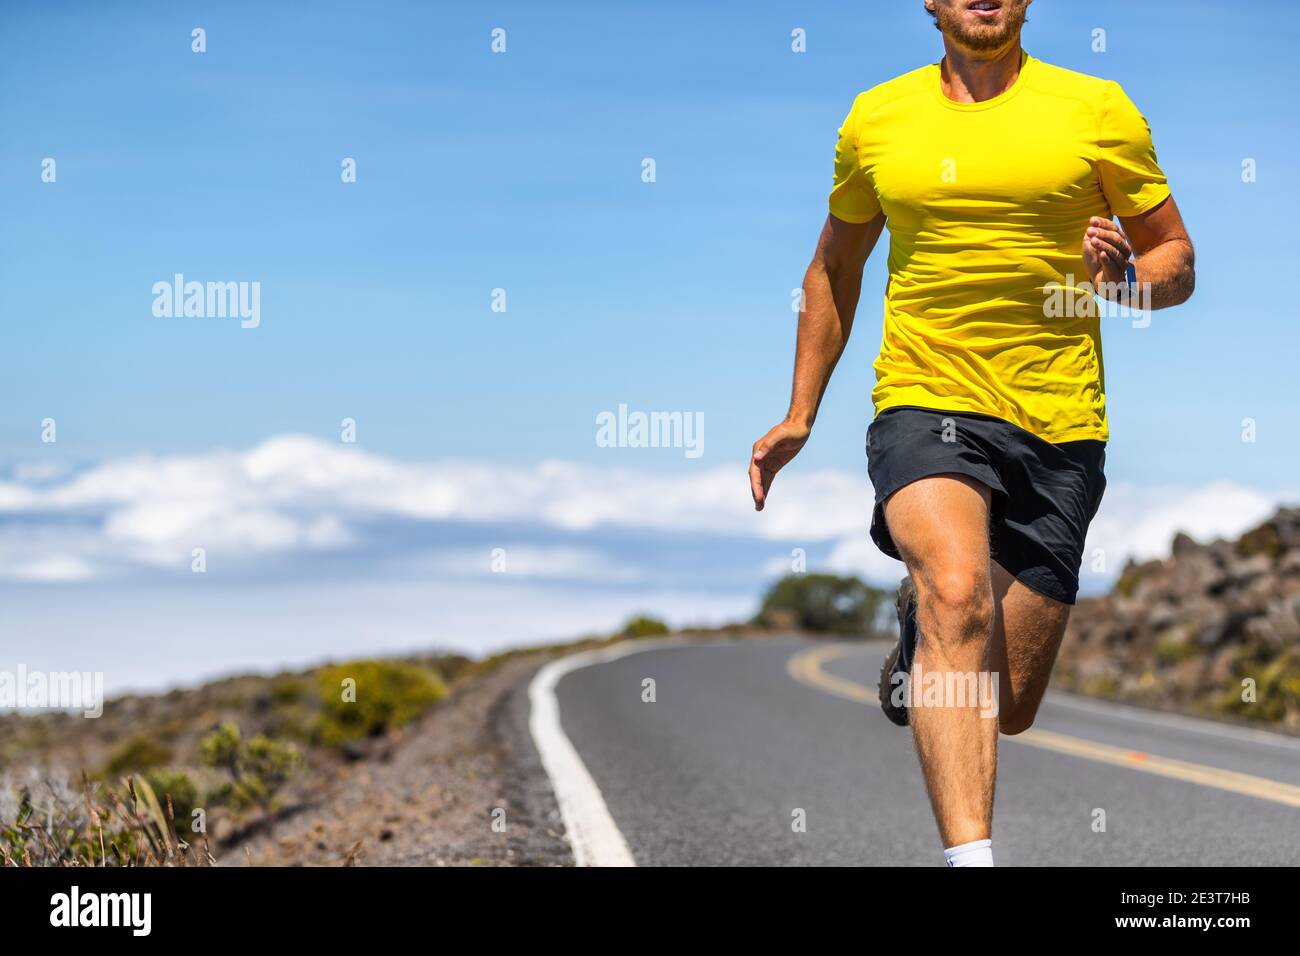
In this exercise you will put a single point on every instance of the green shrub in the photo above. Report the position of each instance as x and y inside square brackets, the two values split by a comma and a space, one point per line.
[1277, 688]
[269, 760]
[184, 794]
[452, 667]
[1262, 540]
[1175, 648]
[257, 767]
[1101, 687]
[643, 626]
[369, 698]
[1131, 575]
[220, 749]
[288, 690]
[825, 603]
[138, 753]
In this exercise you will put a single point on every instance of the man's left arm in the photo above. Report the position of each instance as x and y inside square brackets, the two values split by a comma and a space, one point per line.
[1165, 263]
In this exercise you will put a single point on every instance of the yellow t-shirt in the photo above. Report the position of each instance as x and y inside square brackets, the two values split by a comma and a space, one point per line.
[986, 205]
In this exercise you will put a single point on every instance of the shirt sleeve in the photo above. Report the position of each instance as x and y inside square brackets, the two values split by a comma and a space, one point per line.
[853, 197]
[1127, 168]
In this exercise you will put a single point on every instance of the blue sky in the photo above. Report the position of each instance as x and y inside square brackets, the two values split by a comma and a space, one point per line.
[522, 171]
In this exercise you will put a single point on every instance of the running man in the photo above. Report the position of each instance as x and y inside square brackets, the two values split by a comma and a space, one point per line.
[999, 178]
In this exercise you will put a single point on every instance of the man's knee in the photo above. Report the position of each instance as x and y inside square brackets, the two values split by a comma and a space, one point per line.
[960, 592]
[960, 598]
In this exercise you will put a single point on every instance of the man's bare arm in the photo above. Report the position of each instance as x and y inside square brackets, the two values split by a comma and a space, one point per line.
[830, 297]
[831, 287]
[1165, 263]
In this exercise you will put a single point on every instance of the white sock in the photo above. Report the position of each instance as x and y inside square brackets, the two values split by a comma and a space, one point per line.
[975, 853]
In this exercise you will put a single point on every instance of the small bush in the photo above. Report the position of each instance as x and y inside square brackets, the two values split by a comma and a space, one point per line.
[1174, 649]
[452, 667]
[1101, 687]
[257, 767]
[1262, 540]
[1277, 688]
[369, 698]
[1132, 575]
[269, 760]
[643, 626]
[288, 690]
[220, 749]
[183, 791]
[138, 753]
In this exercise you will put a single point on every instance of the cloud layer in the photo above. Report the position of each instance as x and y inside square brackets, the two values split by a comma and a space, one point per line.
[317, 550]
[293, 496]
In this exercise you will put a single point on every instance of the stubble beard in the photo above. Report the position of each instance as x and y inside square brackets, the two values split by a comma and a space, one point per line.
[981, 38]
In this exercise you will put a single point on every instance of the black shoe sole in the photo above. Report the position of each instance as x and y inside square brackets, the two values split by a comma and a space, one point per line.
[899, 660]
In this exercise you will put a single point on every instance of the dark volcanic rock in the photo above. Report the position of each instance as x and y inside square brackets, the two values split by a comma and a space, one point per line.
[1203, 630]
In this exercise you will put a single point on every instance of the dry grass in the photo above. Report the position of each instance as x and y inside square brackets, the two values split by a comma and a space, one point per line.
[103, 826]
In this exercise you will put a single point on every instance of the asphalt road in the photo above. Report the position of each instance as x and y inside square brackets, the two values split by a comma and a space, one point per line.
[744, 734]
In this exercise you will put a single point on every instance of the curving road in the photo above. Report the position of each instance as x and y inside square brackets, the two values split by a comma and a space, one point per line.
[745, 736]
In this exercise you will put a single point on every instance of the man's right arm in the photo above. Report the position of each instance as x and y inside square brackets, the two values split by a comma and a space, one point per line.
[831, 288]
[830, 298]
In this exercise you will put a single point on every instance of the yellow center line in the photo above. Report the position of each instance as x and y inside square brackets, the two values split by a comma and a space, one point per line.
[806, 666]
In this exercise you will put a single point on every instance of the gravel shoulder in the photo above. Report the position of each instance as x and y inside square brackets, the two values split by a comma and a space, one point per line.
[463, 786]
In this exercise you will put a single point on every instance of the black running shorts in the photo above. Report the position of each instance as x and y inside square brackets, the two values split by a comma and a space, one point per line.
[1043, 494]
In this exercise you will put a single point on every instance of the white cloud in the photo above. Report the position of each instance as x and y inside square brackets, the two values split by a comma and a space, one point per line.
[1140, 522]
[40, 471]
[355, 553]
[295, 494]
[529, 562]
[54, 568]
[860, 556]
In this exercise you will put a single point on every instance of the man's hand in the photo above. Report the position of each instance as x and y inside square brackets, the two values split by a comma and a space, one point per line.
[771, 453]
[1106, 252]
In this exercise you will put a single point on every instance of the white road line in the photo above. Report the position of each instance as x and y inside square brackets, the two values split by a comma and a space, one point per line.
[592, 832]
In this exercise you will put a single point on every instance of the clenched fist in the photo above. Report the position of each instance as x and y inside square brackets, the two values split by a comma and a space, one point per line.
[1106, 252]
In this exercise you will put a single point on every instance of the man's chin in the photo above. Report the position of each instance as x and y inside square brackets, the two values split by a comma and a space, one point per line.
[981, 35]
[986, 40]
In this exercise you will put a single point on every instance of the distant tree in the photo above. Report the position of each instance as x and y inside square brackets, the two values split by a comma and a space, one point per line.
[825, 603]
[644, 626]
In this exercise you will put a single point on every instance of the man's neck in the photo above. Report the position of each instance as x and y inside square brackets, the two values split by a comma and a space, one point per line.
[968, 78]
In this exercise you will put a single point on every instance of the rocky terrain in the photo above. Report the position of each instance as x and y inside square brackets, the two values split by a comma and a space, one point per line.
[1213, 629]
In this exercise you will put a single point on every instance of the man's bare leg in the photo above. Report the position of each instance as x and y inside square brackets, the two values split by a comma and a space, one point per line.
[1027, 634]
[940, 525]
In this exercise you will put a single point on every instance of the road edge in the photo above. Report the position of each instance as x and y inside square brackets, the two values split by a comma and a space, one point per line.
[590, 829]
